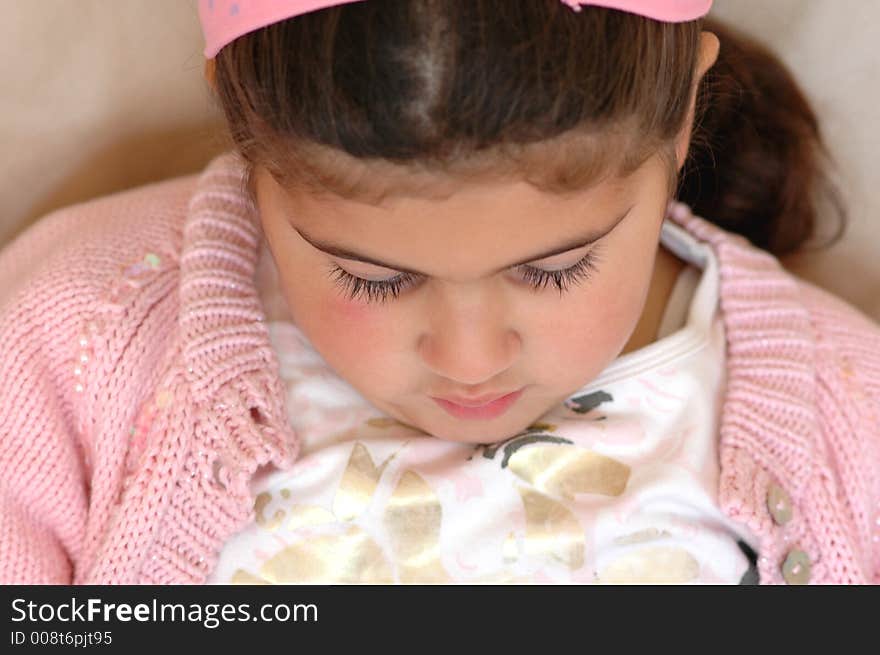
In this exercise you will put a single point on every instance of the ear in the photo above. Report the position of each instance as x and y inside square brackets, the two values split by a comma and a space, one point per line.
[210, 71]
[709, 47]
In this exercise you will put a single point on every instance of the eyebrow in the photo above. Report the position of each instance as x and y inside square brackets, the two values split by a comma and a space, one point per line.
[572, 244]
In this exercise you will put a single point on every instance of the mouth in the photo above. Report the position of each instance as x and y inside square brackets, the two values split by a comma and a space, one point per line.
[487, 410]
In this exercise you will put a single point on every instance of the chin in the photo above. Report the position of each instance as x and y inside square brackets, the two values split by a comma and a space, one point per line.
[477, 432]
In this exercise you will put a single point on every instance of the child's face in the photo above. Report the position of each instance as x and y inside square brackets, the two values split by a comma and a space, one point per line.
[463, 329]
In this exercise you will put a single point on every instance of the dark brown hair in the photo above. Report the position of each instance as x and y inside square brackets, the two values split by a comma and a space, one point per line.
[387, 97]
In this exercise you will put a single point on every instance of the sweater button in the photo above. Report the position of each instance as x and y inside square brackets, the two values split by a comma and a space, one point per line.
[779, 504]
[796, 568]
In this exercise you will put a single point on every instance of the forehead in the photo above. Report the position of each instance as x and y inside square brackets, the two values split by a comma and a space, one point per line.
[458, 235]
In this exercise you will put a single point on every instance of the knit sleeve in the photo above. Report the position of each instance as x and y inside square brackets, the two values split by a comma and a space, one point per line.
[849, 382]
[866, 352]
[43, 485]
[87, 312]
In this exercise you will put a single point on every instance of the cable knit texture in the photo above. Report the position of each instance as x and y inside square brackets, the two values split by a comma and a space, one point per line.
[139, 393]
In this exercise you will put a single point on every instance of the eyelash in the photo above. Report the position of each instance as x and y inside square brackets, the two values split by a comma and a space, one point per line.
[373, 291]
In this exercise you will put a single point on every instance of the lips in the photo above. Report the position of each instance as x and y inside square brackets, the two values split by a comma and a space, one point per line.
[475, 402]
[488, 410]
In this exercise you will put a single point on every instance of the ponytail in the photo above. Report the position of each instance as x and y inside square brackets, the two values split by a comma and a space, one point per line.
[758, 165]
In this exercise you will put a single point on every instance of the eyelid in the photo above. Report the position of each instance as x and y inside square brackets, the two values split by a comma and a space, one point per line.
[538, 263]
[393, 273]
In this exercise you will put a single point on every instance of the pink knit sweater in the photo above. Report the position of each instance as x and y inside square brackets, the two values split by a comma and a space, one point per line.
[139, 393]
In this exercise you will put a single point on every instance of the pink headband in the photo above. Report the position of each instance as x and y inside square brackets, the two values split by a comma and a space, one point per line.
[223, 21]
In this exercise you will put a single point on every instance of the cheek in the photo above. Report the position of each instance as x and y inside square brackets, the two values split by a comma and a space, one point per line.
[355, 314]
[365, 326]
[588, 332]
[357, 340]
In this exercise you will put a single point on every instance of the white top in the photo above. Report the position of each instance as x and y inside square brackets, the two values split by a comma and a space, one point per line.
[618, 484]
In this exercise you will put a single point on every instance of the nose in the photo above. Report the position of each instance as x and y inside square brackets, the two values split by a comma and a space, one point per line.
[469, 340]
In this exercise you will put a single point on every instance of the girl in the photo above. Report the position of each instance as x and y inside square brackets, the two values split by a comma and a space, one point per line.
[437, 318]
